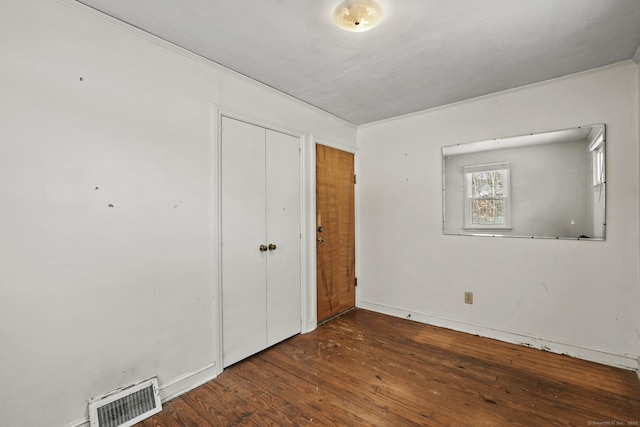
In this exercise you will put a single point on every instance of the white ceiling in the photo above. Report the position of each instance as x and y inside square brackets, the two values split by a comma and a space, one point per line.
[424, 54]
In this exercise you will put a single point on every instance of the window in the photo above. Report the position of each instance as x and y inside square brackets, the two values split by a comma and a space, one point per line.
[487, 198]
[597, 159]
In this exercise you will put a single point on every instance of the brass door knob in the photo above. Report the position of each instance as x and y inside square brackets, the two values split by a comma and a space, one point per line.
[320, 239]
[263, 248]
[272, 247]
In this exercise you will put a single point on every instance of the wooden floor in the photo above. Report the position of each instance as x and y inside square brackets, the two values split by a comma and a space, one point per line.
[365, 368]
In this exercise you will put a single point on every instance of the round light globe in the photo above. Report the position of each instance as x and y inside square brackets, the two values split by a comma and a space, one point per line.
[357, 15]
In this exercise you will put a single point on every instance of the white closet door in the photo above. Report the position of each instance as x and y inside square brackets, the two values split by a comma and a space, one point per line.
[243, 231]
[283, 230]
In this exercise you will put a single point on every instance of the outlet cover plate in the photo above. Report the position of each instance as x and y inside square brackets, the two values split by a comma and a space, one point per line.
[468, 297]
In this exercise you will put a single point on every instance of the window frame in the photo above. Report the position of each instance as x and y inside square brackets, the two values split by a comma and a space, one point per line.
[467, 173]
[597, 160]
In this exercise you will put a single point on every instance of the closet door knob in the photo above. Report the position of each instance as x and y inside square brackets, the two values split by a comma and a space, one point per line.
[263, 248]
[272, 247]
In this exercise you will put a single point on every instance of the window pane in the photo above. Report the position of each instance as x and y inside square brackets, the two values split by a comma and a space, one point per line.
[487, 196]
[487, 184]
[487, 211]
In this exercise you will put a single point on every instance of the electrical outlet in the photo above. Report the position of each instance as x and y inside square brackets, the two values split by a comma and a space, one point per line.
[468, 297]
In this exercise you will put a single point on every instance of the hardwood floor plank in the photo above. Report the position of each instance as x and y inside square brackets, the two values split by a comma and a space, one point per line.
[368, 369]
[395, 386]
[212, 407]
[351, 389]
[270, 408]
[176, 413]
[314, 402]
[546, 390]
[486, 377]
[238, 405]
[487, 349]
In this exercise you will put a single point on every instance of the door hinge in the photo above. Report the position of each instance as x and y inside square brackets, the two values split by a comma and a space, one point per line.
[355, 179]
[356, 282]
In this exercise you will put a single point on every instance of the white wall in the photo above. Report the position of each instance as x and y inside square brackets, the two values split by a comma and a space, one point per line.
[93, 297]
[578, 297]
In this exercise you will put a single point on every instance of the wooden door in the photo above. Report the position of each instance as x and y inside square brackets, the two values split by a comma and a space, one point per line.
[244, 266]
[335, 221]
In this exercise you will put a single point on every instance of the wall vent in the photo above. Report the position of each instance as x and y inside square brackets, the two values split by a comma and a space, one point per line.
[126, 406]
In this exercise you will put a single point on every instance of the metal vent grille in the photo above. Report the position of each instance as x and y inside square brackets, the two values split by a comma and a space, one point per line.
[126, 407]
[122, 410]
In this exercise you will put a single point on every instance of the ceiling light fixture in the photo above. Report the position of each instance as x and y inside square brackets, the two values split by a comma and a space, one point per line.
[357, 15]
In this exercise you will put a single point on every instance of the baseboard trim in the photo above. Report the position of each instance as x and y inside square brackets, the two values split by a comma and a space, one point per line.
[174, 388]
[310, 327]
[187, 382]
[79, 423]
[577, 351]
